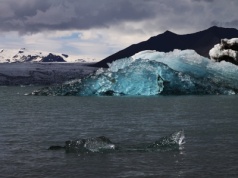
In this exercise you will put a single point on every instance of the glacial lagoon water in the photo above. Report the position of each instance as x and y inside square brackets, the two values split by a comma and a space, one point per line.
[31, 124]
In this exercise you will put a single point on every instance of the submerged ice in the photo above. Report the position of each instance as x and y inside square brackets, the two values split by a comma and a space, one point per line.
[97, 144]
[103, 144]
[153, 73]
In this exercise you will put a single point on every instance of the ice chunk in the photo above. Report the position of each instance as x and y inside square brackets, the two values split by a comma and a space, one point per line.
[227, 50]
[176, 139]
[103, 144]
[97, 144]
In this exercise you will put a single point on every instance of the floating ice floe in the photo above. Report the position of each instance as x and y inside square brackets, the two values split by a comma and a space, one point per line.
[155, 73]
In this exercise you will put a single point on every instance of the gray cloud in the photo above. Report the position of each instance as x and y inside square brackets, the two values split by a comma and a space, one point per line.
[37, 15]
[233, 23]
[30, 16]
[205, 0]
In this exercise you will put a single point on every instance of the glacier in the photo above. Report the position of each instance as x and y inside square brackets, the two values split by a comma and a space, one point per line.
[180, 72]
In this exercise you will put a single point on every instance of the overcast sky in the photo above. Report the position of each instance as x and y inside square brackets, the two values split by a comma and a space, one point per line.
[98, 28]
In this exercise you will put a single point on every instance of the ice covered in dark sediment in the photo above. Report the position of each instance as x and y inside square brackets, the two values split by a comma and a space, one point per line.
[227, 50]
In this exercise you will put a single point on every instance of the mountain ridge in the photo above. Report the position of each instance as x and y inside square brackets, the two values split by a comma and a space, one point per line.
[201, 42]
[26, 55]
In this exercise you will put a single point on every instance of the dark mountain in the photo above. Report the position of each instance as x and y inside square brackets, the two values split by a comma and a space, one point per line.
[201, 42]
[52, 58]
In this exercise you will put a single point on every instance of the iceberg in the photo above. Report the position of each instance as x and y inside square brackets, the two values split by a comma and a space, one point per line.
[155, 73]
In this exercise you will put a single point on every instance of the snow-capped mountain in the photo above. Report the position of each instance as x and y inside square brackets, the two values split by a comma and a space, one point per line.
[25, 55]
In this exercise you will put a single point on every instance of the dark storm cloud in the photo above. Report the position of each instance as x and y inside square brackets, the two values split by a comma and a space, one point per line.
[30, 16]
[205, 0]
[37, 15]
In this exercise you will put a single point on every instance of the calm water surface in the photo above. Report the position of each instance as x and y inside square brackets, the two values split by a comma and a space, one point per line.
[30, 124]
